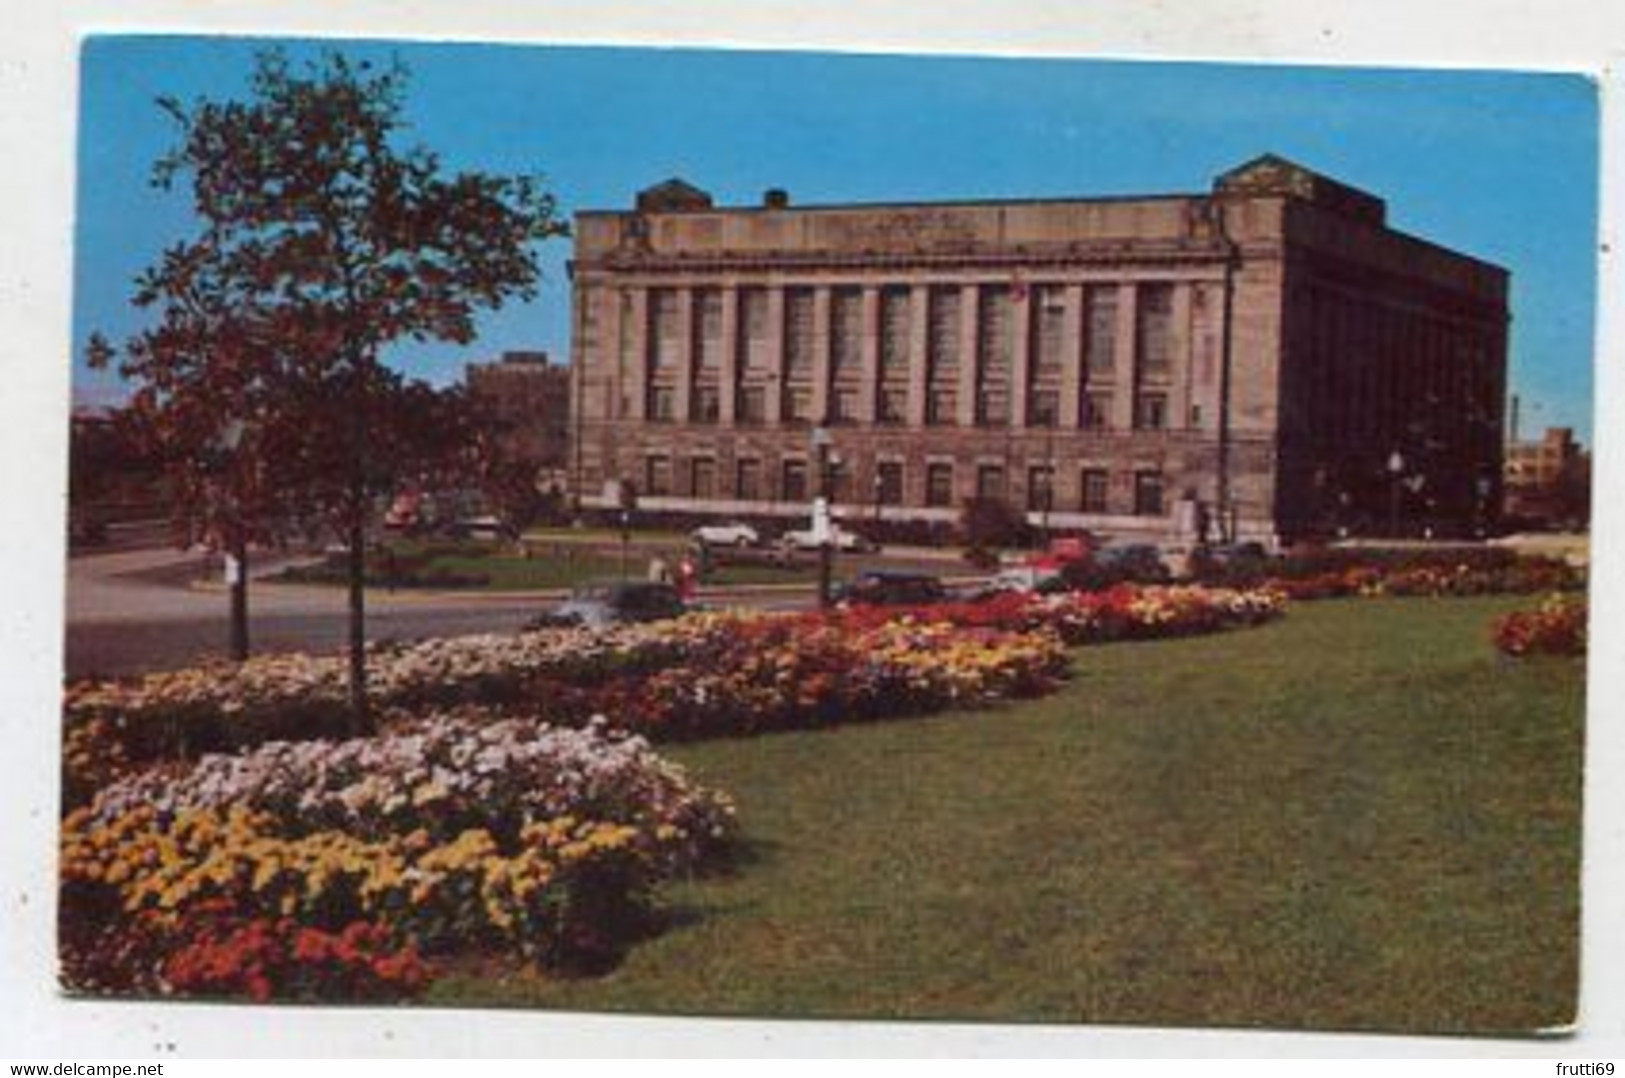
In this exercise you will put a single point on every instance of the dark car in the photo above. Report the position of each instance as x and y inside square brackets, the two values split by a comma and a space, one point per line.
[883, 587]
[616, 602]
[1139, 562]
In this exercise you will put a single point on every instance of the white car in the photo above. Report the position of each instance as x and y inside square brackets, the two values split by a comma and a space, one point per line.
[731, 534]
[840, 539]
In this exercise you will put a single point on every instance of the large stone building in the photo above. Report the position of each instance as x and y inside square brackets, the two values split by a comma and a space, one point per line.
[1266, 360]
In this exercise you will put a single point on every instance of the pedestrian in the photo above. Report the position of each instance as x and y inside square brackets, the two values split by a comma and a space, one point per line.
[659, 571]
[687, 578]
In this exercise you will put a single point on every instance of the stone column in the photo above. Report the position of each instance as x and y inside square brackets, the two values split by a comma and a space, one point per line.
[1181, 355]
[970, 331]
[683, 398]
[822, 390]
[777, 383]
[869, 382]
[1125, 350]
[919, 352]
[637, 389]
[1021, 334]
[728, 390]
[1072, 359]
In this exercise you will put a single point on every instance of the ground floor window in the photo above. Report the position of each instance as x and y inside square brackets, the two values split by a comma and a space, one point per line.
[1148, 494]
[657, 476]
[1095, 486]
[939, 485]
[889, 482]
[794, 486]
[748, 480]
[1040, 488]
[702, 477]
[990, 481]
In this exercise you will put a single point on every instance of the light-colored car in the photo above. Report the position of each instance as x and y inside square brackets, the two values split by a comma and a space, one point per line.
[733, 533]
[840, 539]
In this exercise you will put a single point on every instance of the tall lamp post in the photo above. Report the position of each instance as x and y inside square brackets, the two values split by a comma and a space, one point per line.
[823, 513]
[1396, 469]
[224, 462]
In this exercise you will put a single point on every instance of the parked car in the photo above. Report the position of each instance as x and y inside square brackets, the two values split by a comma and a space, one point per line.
[1139, 562]
[840, 539]
[615, 602]
[489, 529]
[892, 587]
[733, 533]
[1019, 578]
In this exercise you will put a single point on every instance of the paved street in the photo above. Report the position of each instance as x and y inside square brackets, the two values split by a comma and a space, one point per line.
[138, 610]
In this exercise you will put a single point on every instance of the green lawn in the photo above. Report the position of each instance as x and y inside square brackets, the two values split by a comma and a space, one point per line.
[1357, 817]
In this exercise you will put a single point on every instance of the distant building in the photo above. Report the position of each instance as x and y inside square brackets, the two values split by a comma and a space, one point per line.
[1268, 359]
[529, 398]
[1548, 483]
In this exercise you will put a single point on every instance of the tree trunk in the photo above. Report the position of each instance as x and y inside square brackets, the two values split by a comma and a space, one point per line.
[360, 713]
[239, 597]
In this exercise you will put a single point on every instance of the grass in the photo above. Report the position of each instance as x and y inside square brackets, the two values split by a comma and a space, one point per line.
[1357, 818]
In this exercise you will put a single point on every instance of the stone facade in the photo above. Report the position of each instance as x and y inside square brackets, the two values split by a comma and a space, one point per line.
[1246, 361]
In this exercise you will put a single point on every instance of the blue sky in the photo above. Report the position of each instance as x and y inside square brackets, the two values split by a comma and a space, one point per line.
[1499, 165]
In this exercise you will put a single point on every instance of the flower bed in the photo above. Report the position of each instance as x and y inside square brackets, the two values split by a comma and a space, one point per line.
[1340, 573]
[1556, 627]
[1123, 612]
[703, 674]
[458, 835]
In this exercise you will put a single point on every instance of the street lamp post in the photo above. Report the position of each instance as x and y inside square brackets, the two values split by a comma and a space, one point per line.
[823, 514]
[1396, 468]
[234, 539]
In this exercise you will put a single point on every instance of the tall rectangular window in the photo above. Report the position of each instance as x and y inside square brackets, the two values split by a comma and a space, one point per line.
[1155, 331]
[1040, 488]
[993, 346]
[708, 328]
[894, 329]
[702, 477]
[846, 331]
[939, 485]
[798, 330]
[1096, 490]
[748, 479]
[793, 488]
[889, 482]
[753, 336]
[657, 476]
[665, 333]
[939, 407]
[1148, 494]
[1049, 314]
[1100, 354]
[944, 333]
[990, 481]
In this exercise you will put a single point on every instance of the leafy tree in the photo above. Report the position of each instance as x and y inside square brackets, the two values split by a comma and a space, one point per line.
[322, 241]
